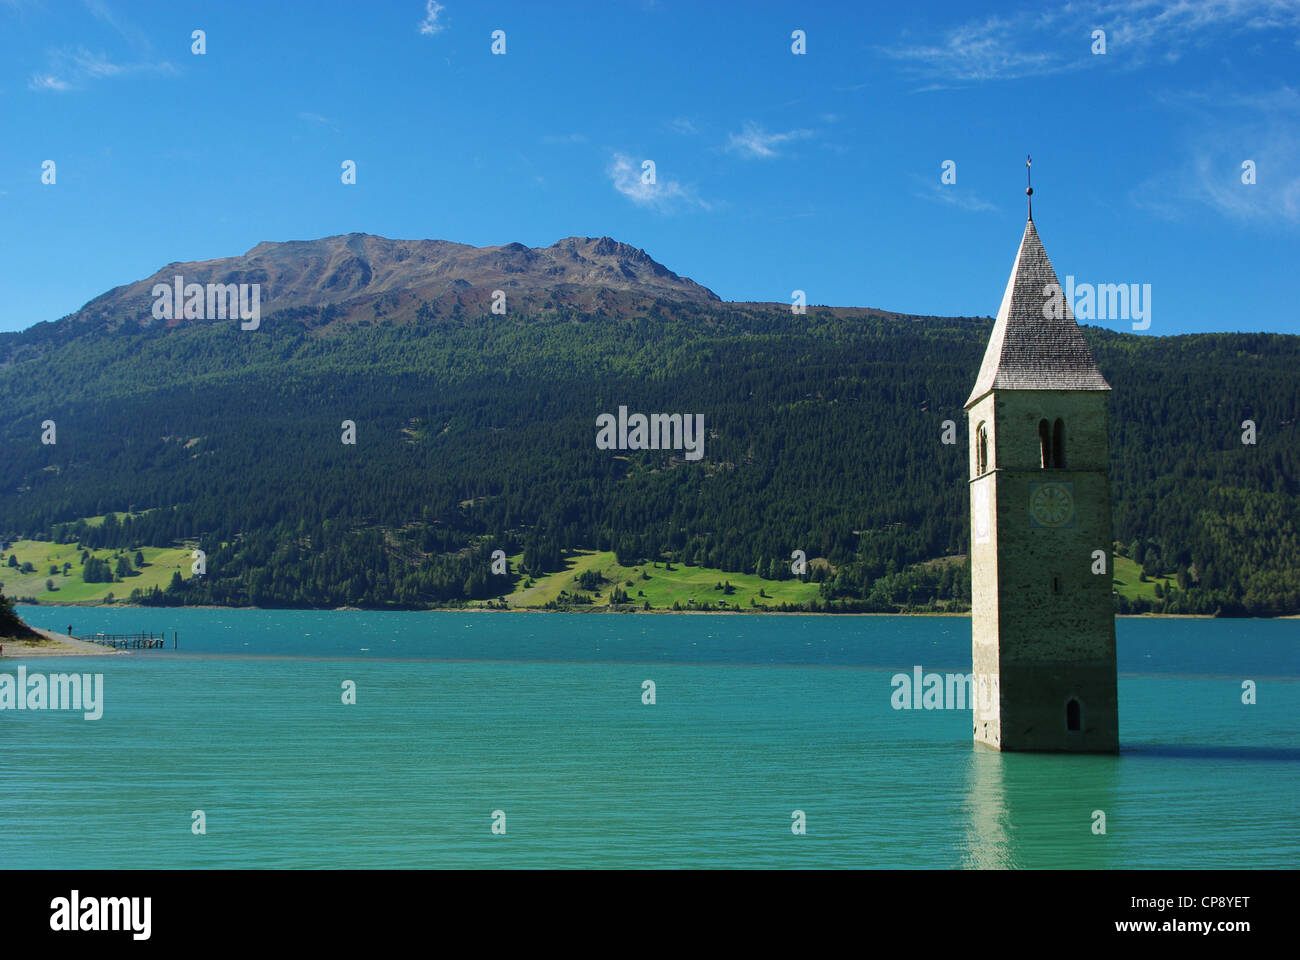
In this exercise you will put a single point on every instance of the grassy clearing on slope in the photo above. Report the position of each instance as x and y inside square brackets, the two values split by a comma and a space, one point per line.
[119, 517]
[160, 564]
[663, 588]
[1127, 583]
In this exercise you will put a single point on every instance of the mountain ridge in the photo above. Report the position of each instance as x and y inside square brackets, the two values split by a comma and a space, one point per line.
[353, 273]
[476, 432]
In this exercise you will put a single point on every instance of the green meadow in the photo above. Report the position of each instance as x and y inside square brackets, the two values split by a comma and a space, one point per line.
[655, 583]
[1127, 581]
[159, 565]
[689, 587]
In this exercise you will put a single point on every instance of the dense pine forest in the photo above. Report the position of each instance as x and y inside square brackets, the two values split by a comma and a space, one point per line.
[477, 432]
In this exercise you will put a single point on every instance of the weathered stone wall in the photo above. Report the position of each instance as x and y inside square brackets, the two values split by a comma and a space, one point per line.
[1041, 621]
[1015, 420]
[986, 717]
[1034, 705]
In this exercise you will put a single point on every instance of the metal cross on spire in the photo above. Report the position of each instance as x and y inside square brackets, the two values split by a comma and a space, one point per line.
[1029, 188]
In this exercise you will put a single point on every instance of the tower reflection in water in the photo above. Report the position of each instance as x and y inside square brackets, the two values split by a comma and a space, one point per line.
[1027, 810]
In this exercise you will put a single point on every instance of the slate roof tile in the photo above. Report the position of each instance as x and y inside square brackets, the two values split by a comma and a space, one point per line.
[1027, 350]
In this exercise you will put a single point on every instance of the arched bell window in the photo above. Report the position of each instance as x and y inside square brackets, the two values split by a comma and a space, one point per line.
[981, 450]
[1051, 444]
[1073, 716]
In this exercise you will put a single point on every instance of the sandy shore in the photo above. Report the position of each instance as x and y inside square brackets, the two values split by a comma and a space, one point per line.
[54, 645]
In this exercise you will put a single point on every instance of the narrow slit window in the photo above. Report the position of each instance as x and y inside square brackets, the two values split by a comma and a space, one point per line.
[1058, 444]
[1045, 443]
[1073, 716]
[982, 451]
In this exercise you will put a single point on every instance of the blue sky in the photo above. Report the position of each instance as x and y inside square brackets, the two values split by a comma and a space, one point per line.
[774, 171]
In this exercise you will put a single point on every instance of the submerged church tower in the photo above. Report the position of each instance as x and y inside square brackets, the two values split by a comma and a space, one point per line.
[1042, 621]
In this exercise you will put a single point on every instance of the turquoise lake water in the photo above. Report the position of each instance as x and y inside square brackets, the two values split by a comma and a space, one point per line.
[540, 716]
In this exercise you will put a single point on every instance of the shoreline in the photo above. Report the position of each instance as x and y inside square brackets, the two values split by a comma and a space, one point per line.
[593, 609]
[54, 645]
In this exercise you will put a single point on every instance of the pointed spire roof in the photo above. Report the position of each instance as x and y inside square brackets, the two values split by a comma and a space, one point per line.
[1028, 351]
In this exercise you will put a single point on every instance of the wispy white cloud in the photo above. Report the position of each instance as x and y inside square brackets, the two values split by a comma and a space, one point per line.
[952, 195]
[1041, 41]
[318, 120]
[564, 138]
[626, 175]
[46, 81]
[71, 68]
[1210, 176]
[984, 50]
[754, 141]
[136, 37]
[93, 65]
[430, 24]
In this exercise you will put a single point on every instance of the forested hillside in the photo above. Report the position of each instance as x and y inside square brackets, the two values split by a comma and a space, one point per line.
[477, 431]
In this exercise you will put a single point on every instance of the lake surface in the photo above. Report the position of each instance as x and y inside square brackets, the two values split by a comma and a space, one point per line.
[458, 715]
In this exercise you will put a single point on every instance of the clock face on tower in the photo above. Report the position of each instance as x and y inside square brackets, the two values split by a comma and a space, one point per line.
[1051, 504]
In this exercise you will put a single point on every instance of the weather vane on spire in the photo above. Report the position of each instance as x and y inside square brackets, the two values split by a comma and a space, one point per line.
[1029, 187]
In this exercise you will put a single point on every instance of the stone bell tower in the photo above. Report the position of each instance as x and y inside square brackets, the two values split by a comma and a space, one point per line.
[1042, 622]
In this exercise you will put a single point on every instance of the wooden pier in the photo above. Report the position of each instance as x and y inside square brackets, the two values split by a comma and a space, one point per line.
[132, 641]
